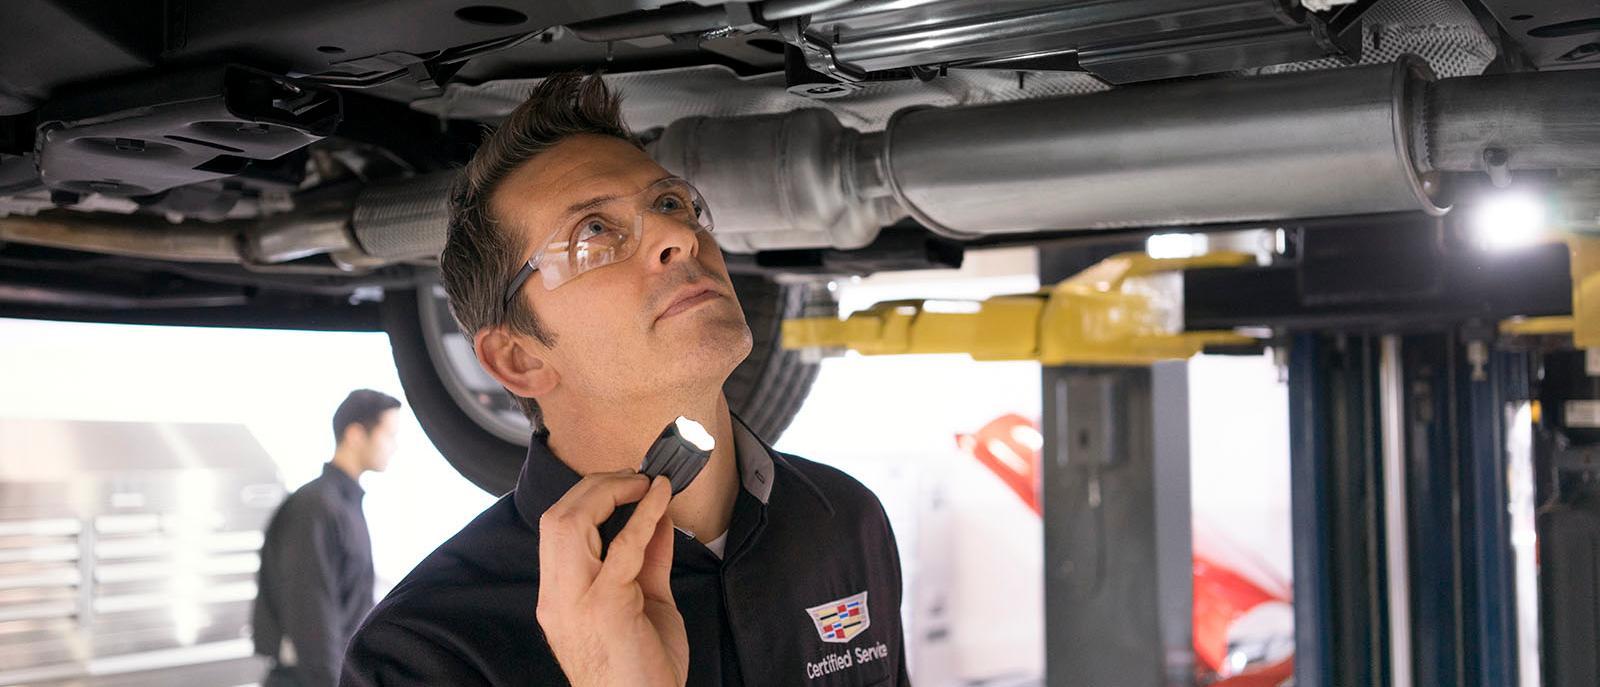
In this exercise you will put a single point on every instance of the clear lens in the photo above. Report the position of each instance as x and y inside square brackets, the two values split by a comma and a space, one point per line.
[612, 231]
[594, 240]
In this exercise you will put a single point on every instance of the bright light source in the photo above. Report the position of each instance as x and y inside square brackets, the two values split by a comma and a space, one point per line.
[696, 434]
[952, 307]
[1175, 245]
[1508, 220]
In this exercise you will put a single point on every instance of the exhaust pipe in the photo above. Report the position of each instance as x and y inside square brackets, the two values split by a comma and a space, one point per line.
[1320, 143]
[385, 223]
[1382, 138]
[1523, 122]
[132, 236]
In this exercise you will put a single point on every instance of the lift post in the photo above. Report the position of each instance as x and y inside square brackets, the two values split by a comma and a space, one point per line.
[1402, 537]
[1401, 391]
[1115, 493]
[1336, 509]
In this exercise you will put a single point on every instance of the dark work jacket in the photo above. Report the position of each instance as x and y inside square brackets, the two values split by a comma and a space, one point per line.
[315, 583]
[805, 542]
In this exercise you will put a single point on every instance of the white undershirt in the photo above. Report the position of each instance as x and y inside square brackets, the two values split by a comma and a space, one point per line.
[717, 545]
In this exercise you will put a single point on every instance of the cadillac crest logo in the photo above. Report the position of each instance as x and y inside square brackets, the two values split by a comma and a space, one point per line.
[840, 621]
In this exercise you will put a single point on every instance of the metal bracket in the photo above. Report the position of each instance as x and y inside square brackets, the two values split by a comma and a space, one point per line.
[1495, 165]
[818, 57]
[1117, 312]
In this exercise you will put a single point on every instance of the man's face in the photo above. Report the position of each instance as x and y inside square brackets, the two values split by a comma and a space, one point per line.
[642, 327]
[379, 444]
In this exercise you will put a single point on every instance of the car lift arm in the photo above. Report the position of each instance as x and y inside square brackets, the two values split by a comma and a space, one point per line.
[1117, 312]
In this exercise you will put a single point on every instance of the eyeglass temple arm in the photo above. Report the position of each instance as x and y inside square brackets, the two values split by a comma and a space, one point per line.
[516, 283]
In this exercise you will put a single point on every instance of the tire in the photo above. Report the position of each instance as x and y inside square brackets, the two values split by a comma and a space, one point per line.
[479, 430]
[488, 459]
[768, 388]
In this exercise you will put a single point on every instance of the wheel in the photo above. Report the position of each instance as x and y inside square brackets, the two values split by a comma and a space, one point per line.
[481, 432]
[767, 389]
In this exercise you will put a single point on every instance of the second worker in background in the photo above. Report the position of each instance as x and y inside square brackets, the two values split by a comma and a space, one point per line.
[315, 583]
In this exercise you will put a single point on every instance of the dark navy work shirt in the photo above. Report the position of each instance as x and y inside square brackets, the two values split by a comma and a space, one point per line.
[315, 583]
[807, 592]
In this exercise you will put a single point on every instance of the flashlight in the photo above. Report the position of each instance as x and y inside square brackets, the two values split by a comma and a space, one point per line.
[682, 450]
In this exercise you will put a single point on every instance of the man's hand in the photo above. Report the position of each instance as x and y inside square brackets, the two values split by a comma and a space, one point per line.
[612, 622]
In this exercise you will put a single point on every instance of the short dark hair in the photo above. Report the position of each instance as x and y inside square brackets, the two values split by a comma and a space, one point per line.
[479, 260]
[363, 407]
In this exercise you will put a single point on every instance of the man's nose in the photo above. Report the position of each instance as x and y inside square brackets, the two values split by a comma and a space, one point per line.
[670, 240]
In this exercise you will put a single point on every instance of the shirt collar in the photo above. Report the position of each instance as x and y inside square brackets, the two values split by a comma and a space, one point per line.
[348, 487]
[755, 462]
[545, 478]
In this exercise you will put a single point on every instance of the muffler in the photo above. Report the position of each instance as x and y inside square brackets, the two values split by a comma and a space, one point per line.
[1198, 152]
[1309, 144]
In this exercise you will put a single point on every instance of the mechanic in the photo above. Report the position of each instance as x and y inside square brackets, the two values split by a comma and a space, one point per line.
[587, 279]
[315, 580]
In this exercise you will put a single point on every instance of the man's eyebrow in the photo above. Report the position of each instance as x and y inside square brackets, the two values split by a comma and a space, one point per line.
[597, 201]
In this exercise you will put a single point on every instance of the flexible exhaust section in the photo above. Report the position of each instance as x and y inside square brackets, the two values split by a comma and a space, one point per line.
[404, 220]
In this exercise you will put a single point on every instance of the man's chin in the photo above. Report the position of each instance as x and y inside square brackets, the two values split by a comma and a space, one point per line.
[722, 340]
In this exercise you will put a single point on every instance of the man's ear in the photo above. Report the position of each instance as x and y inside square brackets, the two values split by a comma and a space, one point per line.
[514, 362]
[354, 433]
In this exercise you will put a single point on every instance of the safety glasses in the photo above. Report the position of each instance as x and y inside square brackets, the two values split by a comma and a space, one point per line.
[607, 232]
